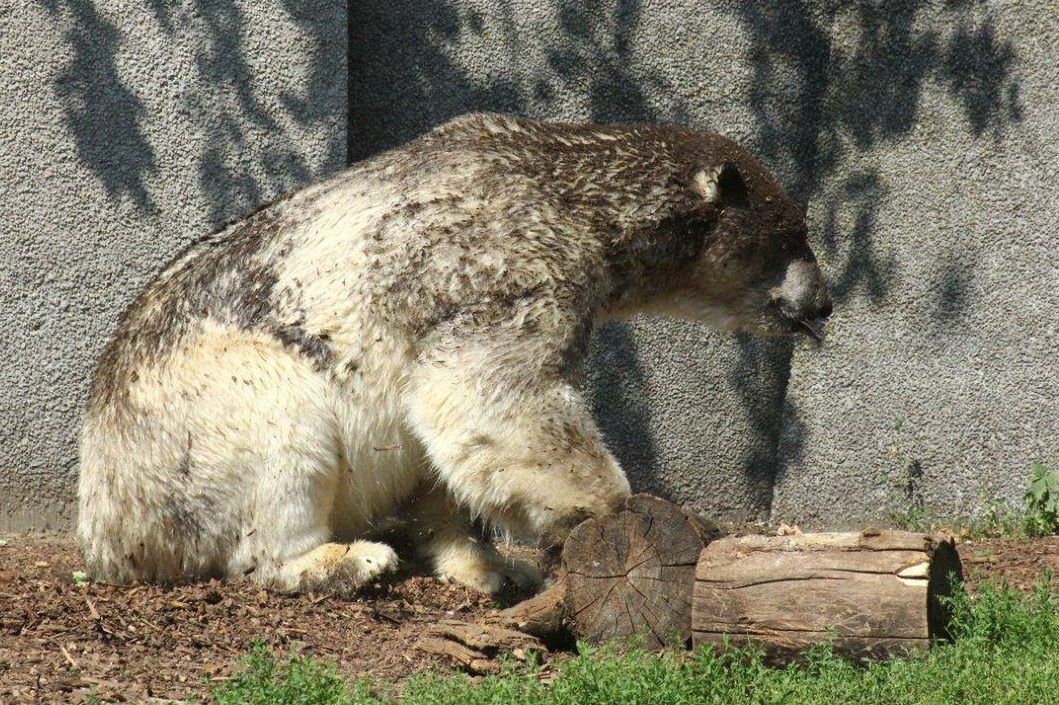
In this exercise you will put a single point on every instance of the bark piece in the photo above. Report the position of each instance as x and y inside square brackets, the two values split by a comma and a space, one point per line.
[475, 646]
[871, 594]
[470, 660]
[541, 616]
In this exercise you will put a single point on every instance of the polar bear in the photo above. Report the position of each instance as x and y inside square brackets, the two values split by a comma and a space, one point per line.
[409, 333]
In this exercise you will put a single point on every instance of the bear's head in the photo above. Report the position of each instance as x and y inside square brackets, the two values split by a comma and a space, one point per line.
[751, 267]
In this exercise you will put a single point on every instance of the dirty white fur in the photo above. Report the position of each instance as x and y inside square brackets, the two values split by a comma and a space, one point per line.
[262, 434]
[286, 460]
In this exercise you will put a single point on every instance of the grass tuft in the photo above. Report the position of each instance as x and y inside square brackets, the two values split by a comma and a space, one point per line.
[298, 681]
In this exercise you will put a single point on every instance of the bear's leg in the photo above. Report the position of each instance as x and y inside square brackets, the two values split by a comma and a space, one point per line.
[445, 533]
[291, 545]
[227, 464]
[515, 446]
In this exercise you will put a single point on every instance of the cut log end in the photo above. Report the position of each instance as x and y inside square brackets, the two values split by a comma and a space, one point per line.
[630, 575]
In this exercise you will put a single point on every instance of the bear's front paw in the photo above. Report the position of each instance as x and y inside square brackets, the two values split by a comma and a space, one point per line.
[368, 560]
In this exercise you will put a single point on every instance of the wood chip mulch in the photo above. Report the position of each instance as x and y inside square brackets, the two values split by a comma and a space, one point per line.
[59, 641]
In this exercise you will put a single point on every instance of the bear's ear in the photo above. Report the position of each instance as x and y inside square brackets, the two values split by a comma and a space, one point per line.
[721, 185]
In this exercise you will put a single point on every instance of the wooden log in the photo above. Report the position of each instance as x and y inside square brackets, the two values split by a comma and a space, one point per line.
[871, 594]
[631, 574]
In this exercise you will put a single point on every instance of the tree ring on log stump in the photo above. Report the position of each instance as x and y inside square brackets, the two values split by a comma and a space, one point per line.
[631, 574]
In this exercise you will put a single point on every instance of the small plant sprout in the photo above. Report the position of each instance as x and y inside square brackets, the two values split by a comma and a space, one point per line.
[1042, 502]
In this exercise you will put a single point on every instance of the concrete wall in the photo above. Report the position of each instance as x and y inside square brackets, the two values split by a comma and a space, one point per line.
[128, 129]
[938, 223]
[920, 136]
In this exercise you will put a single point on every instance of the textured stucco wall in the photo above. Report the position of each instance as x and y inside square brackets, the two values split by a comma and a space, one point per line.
[129, 128]
[938, 224]
[921, 137]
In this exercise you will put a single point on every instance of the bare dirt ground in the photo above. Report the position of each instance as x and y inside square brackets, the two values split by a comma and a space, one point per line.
[60, 640]
[1021, 563]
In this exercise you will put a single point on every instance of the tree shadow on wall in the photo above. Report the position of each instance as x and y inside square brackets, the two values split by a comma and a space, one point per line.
[856, 95]
[868, 91]
[402, 79]
[101, 113]
[104, 114]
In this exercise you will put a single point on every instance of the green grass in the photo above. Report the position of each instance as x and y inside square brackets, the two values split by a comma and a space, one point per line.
[1006, 651]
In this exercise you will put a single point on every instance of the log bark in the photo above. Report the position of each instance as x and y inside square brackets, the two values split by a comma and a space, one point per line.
[871, 594]
[631, 574]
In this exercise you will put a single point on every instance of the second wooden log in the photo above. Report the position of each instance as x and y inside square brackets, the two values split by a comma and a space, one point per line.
[871, 594]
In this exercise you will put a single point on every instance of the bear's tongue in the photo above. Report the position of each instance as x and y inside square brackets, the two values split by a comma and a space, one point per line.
[811, 331]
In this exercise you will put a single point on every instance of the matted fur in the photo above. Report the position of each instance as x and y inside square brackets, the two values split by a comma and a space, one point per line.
[410, 332]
